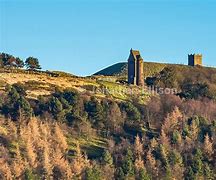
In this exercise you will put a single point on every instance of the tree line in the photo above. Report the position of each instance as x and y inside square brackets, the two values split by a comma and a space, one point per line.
[9, 61]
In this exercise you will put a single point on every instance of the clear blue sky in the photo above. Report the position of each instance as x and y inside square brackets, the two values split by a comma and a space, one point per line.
[83, 36]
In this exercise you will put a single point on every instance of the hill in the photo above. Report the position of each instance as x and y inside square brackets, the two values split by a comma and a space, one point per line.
[116, 69]
[151, 69]
[54, 125]
[120, 69]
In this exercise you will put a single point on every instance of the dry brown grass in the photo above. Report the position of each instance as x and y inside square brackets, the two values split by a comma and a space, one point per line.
[42, 84]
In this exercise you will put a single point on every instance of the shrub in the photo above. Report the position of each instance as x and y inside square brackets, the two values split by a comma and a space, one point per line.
[133, 113]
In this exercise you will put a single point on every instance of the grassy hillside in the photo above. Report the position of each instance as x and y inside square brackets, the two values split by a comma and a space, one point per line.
[42, 83]
[120, 69]
[151, 69]
[116, 69]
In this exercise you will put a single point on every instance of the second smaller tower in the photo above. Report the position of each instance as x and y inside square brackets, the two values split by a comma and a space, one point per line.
[195, 59]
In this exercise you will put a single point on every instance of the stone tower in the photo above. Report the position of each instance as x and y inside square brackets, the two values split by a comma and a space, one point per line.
[195, 59]
[135, 68]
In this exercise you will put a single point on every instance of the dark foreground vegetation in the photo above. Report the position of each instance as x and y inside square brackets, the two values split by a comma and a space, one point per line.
[167, 138]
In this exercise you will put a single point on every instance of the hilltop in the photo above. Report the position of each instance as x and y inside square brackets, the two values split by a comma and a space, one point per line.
[150, 69]
[120, 69]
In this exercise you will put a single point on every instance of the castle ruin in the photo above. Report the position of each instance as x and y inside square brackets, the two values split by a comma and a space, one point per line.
[135, 68]
[195, 59]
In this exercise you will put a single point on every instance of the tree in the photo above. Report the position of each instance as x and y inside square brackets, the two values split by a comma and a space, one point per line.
[175, 158]
[176, 164]
[55, 107]
[194, 130]
[107, 158]
[114, 118]
[143, 175]
[139, 164]
[194, 90]
[29, 175]
[164, 139]
[167, 78]
[138, 147]
[14, 62]
[208, 172]
[95, 111]
[71, 96]
[163, 155]
[93, 174]
[23, 108]
[32, 63]
[80, 161]
[120, 174]
[197, 164]
[16, 106]
[19, 63]
[1, 61]
[172, 120]
[132, 112]
[176, 137]
[20, 89]
[128, 165]
[186, 131]
[151, 164]
[8, 108]
[190, 174]
[107, 162]
[11, 62]
[208, 146]
[153, 144]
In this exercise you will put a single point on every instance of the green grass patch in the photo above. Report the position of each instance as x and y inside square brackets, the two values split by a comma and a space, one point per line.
[93, 146]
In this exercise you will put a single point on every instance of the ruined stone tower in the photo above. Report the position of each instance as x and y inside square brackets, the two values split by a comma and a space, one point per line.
[135, 68]
[195, 59]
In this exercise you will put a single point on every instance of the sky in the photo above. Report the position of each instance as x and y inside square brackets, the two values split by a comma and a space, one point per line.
[84, 36]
